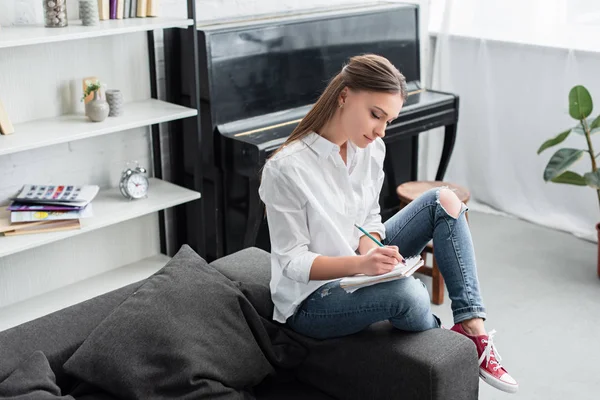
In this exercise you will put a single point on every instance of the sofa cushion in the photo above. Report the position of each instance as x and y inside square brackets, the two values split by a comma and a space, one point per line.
[58, 335]
[187, 332]
[251, 269]
[32, 380]
[381, 362]
[288, 389]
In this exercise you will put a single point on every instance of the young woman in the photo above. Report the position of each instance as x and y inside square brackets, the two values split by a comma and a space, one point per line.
[327, 177]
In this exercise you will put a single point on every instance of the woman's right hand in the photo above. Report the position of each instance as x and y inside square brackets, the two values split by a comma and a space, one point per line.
[380, 260]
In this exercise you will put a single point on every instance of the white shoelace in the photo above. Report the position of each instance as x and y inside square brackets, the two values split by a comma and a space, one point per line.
[487, 353]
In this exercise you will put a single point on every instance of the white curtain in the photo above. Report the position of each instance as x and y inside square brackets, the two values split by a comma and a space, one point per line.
[512, 63]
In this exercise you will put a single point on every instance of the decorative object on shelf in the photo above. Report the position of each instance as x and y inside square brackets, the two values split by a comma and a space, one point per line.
[55, 13]
[557, 170]
[134, 183]
[88, 12]
[85, 83]
[6, 127]
[114, 97]
[97, 110]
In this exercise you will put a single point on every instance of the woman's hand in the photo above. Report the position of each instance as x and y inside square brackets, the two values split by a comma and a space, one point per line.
[380, 260]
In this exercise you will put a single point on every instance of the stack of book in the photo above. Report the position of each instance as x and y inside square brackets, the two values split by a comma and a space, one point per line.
[47, 208]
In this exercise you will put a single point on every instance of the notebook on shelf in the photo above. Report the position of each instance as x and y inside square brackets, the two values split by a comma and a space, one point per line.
[65, 195]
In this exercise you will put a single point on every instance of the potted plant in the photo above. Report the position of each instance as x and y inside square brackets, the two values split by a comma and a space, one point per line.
[96, 109]
[557, 170]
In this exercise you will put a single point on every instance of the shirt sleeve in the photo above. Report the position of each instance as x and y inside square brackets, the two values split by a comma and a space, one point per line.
[373, 222]
[288, 228]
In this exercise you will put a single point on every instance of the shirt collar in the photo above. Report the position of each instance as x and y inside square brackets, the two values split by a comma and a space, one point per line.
[320, 145]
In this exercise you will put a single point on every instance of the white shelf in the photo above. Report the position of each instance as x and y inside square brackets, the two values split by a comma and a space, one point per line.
[38, 34]
[67, 128]
[44, 304]
[110, 208]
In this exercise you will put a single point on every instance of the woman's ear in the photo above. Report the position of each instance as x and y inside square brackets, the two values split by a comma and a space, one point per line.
[343, 95]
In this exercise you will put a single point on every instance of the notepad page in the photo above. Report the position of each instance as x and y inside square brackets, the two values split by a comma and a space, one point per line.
[400, 271]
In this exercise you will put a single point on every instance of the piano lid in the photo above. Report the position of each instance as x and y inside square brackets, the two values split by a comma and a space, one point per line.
[260, 67]
[278, 125]
[423, 110]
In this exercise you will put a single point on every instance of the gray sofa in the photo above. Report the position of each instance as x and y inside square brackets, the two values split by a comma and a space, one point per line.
[379, 363]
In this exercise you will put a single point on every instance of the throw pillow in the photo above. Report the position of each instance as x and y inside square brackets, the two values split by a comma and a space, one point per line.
[186, 333]
[32, 380]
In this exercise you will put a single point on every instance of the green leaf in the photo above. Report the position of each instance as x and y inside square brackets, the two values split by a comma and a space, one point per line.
[580, 102]
[554, 141]
[590, 121]
[571, 178]
[595, 124]
[593, 179]
[560, 161]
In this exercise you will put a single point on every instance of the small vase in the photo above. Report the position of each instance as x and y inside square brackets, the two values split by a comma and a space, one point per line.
[97, 110]
[114, 98]
[88, 12]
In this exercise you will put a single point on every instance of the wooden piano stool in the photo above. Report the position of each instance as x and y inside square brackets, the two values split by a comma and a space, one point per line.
[408, 192]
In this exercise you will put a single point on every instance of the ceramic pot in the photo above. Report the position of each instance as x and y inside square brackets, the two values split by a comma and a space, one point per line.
[97, 110]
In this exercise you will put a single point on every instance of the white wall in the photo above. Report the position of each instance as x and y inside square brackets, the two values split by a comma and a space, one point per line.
[43, 81]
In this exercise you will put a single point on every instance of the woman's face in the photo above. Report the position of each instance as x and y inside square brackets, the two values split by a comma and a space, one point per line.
[365, 115]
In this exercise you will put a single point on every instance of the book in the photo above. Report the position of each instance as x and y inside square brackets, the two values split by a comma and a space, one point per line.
[6, 127]
[133, 10]
[126, 8]
[9, 229]
[30, 216]
[112, 6]
[141, 8]
[120, 8]
[353, 283]
[44, 226]
[15, 206]
[151, 8]
[103, 10]
[68, 195]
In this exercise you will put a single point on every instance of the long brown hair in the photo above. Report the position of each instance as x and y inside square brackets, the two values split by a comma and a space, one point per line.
[368, 72]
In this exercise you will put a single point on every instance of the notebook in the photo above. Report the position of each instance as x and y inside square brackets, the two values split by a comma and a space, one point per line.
[353, 283]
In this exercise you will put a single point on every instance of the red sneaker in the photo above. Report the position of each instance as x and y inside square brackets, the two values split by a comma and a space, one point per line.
[490, 369]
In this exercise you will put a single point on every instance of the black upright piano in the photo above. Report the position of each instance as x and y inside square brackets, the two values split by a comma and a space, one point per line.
[260, 76]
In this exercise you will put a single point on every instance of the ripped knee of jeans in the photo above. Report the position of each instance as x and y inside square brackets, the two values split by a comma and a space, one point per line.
[450, 203]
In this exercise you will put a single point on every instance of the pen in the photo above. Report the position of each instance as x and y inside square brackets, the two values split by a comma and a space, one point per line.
[369, 236]
[373, 239]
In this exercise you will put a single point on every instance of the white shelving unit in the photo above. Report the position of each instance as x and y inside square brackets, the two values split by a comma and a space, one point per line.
[33, 35]
[47, 303]
[109, 207]
[67, 128]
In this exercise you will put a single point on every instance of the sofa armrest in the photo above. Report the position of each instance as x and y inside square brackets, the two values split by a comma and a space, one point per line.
[385, 363]
[58, 334]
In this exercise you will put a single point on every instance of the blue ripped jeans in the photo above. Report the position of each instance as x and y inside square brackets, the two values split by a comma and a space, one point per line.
[330, 312]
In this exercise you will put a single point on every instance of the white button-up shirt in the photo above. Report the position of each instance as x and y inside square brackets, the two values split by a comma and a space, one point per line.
[312, 202]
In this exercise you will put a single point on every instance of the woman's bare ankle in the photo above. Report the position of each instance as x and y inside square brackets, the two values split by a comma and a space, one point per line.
[474, 326]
